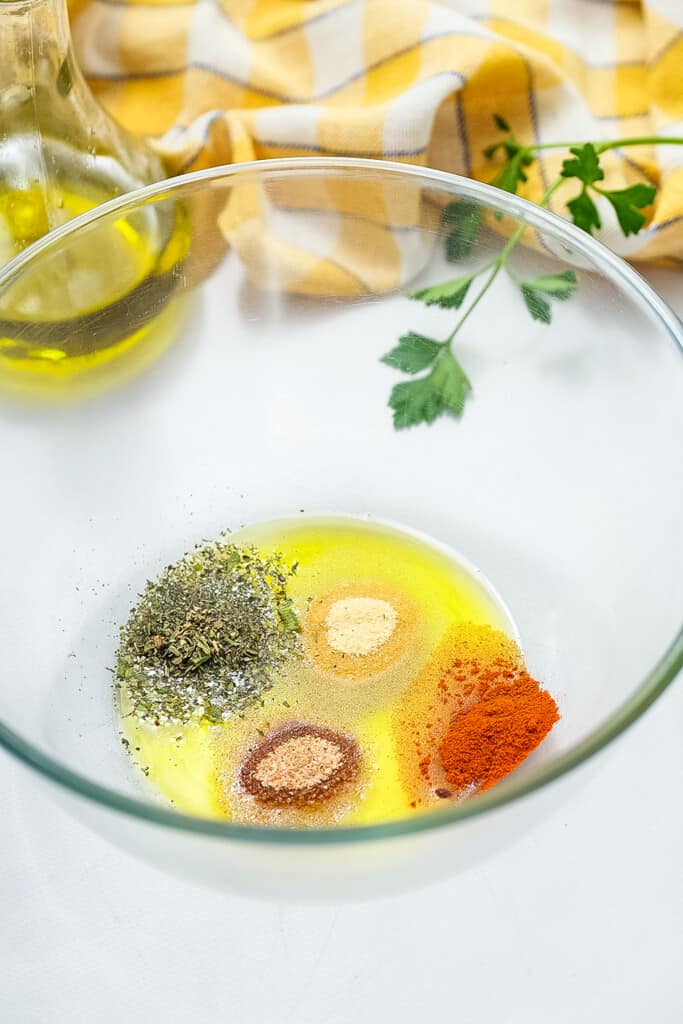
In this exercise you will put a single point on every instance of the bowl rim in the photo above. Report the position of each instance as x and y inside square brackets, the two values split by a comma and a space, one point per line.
[509, 790]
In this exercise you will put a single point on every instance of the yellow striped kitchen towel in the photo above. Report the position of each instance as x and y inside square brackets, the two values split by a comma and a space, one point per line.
[215, 81]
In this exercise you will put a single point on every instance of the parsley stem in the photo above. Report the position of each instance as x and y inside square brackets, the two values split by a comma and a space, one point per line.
[516, 235]
[489, 281]
[601, 147]
[501, 260]
[545, 198]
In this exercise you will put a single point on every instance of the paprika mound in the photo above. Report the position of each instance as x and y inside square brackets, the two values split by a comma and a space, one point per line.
[492, 737]
[470, 717]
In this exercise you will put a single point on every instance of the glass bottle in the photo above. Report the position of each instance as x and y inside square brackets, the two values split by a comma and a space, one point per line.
[60, 155]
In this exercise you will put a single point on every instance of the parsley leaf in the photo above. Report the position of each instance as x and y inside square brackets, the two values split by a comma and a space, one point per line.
[558, 286]
[584, 211]
[512, 172]
[413, 402]
[448, 295]
[491, 150]
[536, 304]
[585, 166]
[451, 381]
[517, 157]
[444, 389]
[413, 353]
[627, 202]
[464, 218]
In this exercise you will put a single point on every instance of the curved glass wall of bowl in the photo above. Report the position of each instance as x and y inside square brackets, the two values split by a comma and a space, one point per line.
[558, 480]
[61, 155]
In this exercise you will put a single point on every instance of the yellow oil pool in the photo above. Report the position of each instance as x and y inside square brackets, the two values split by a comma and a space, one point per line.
[413, 593]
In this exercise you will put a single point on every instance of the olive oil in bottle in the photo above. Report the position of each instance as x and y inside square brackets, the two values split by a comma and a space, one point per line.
[104, 293]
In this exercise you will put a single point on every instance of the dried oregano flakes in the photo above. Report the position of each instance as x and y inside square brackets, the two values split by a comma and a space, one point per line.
[208, 635]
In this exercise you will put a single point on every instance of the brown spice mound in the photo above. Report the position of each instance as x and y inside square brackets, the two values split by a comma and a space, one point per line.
[492, 737]
[300, 764]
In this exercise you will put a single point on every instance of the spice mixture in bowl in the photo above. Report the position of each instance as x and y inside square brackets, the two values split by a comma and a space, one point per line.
[348, 571]
[312, 672]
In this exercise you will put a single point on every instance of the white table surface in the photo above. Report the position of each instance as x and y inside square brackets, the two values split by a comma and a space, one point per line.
[581, 920]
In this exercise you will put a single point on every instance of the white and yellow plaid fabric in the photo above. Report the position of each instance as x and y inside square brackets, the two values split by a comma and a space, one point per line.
[216, 81]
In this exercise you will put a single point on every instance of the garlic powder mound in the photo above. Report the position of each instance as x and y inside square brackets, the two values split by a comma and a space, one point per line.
[358, 630]
[360, 625]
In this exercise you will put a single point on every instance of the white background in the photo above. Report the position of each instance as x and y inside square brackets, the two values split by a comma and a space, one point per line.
[580, 921]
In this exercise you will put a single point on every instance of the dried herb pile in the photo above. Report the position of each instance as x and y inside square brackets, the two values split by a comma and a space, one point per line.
[208, 635]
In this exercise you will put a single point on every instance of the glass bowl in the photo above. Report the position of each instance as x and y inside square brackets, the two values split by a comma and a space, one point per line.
[150, 403]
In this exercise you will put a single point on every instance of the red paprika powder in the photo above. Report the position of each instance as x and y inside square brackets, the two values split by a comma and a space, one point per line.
[491, 737]
[471, 715]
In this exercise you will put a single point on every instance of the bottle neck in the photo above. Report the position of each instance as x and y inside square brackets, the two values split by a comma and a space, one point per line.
[47, 108]
[60, 152]
[34, 49]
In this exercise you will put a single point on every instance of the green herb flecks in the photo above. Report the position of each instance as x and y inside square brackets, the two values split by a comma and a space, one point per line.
[208, 635]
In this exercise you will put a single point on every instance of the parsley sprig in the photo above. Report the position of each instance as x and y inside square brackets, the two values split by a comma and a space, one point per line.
[444, 386]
